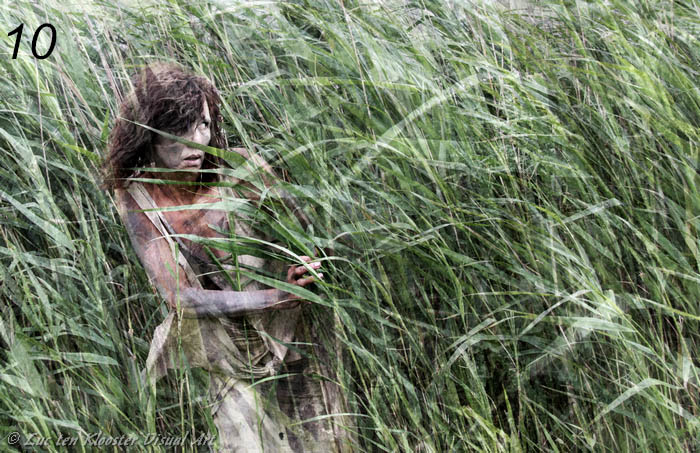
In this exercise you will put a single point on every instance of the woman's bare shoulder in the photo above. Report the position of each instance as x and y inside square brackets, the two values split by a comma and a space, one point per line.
[136, 223]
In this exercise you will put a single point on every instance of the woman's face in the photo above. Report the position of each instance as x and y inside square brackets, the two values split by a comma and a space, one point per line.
[171, 154]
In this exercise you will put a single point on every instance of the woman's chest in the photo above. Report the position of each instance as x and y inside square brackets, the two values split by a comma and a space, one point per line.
[205, 223]
[200, 222]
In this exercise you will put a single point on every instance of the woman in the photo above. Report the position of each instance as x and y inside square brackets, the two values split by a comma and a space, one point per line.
[240, 335]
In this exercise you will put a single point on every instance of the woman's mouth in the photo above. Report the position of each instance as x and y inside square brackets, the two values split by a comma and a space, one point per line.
[191, 161]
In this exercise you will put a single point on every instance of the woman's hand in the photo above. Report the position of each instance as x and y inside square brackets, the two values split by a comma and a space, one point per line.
[295, 276]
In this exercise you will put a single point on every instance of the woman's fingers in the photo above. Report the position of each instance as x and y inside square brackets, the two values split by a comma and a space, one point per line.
[296, 271]
[307, 280]
[301, 270]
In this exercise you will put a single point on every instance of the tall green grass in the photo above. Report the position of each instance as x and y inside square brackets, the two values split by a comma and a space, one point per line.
[512, 202]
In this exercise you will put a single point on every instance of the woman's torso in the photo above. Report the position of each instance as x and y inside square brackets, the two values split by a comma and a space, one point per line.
[244, 331]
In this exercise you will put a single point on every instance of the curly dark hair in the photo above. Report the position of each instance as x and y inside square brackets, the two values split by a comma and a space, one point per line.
[168, 98]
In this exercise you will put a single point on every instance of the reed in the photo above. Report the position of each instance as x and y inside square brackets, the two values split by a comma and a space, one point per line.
[511, 199]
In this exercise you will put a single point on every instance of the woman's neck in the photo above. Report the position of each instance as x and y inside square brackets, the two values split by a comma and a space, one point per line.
[174, 193]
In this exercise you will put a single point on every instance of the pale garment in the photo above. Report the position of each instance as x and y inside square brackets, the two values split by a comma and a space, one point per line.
[261, 386]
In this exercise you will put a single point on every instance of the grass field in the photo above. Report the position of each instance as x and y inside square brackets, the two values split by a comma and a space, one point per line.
[512, 201]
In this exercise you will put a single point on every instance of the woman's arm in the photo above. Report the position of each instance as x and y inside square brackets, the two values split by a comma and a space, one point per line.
[171, 281]
[197, 302]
